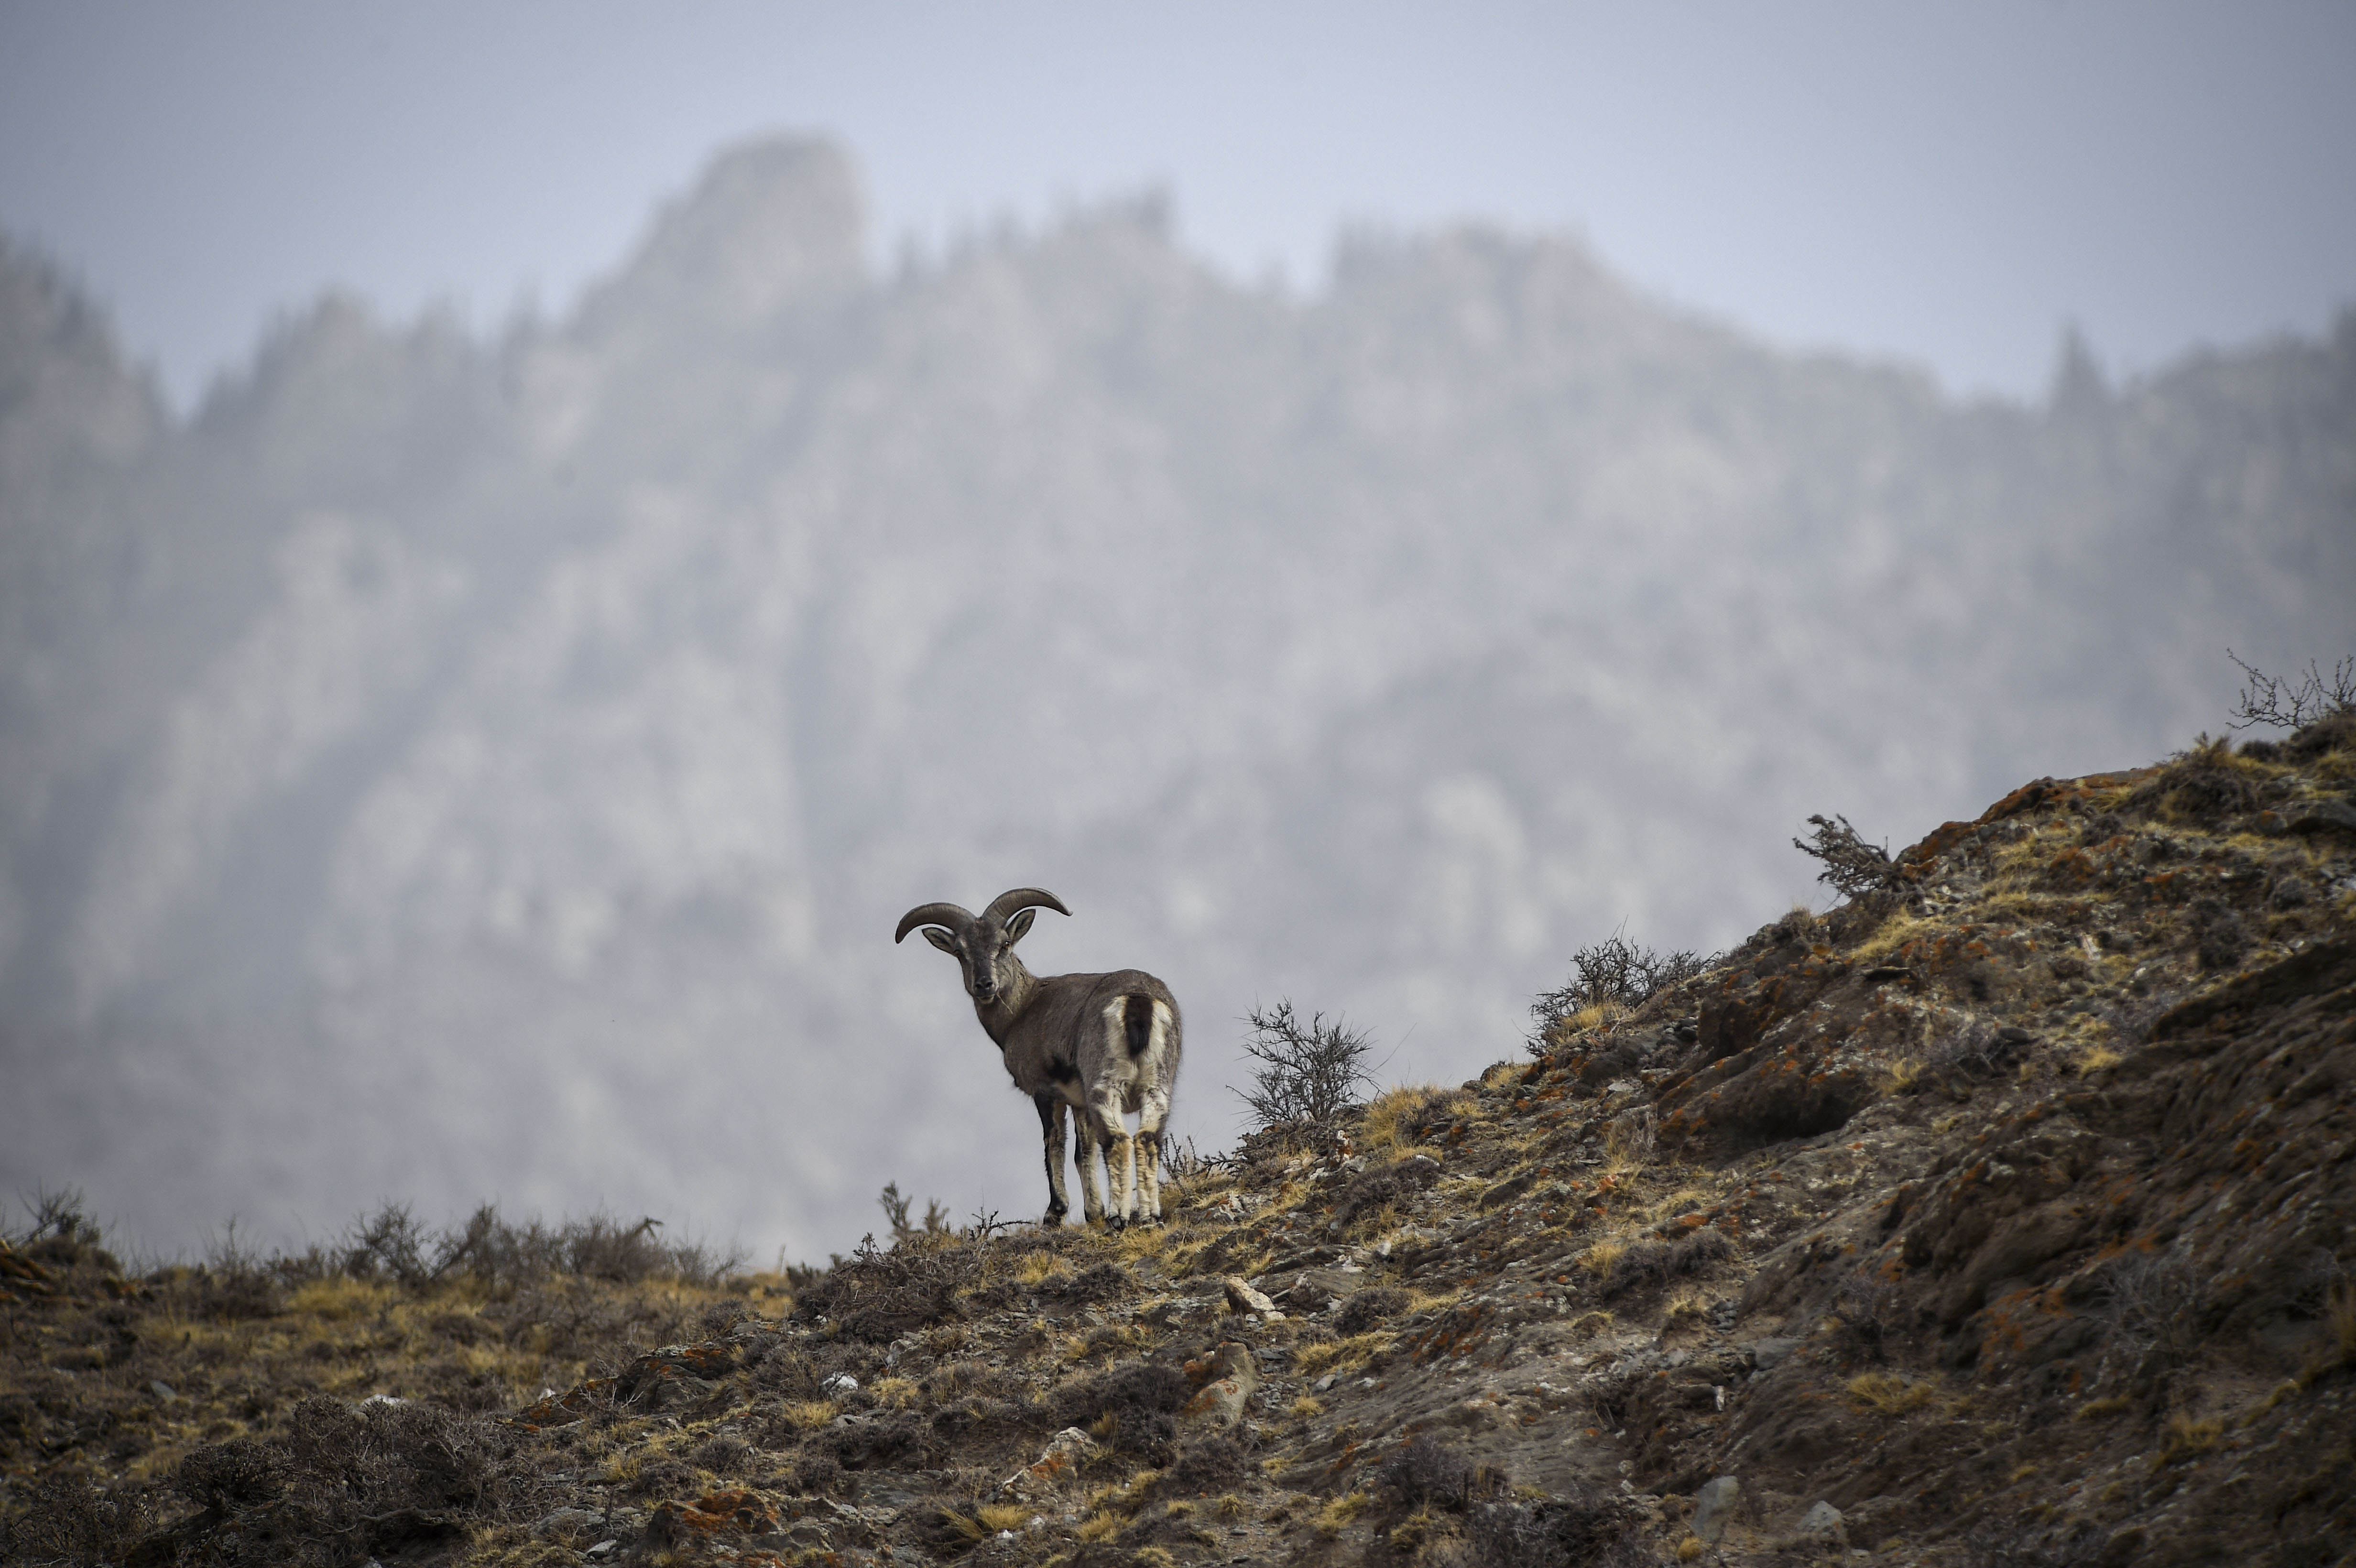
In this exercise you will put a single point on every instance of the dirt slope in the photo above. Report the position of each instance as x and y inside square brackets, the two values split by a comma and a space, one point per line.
[2003, 1216]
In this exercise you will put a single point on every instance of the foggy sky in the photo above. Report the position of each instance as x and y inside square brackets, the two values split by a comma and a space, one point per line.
[1947, 185]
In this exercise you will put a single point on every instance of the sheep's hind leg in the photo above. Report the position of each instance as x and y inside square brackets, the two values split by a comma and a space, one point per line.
[1120, 1162]
[1091, 1131]
[1051, 1126]
[1149, 1139]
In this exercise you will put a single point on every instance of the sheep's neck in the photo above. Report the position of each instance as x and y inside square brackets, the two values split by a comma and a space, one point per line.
[998, 1018]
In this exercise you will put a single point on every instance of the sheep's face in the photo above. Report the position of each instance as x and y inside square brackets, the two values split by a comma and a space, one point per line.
[985, 954]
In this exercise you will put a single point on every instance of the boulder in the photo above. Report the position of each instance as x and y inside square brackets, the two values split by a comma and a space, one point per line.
[1714, 1509]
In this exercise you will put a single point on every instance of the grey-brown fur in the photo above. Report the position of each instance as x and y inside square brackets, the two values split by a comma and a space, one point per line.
[1101, 1045]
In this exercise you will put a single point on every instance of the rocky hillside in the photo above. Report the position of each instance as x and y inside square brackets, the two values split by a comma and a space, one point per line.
[2003, 1216]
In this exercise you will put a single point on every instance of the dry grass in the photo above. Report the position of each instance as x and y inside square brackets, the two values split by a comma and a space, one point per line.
[1343, 1356]
[1336, 1515]
[1687, 1308]
[2103, 1409]
[2186, 1434]
[1099, 1528]
[1306, 1408]
[1894, 934]
[1230, 1507]
[996, 1517]
[2096, 1059]
[1690, 1549]
[809, 1414]
[1391, 1114]
[1037, 1268]
[1884, 1393]
[1598, 1259]
[1900, 1073]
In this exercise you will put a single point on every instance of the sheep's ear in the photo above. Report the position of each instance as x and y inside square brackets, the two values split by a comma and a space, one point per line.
[1018, 926]
[942, 940]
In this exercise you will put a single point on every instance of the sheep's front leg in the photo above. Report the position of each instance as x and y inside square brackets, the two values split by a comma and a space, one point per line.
[1091, 1129]
[1051, 1124]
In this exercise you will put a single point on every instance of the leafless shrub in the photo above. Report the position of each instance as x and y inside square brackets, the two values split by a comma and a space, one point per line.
[1140, 1400]
[60, 1228]
[2296, 703]
[1575, 1526]
[1613, 972]
[1369, 1310]
[66, 1518]
[2148, 1300]
[2008, 1542]
[1852, 866]
[1207, 1465]
[1869, 1308]
[346, 1482]
[895, 1208]
[2218, 935]
[1183, 1162]
[1309, 1074]
[1978, 1050]
[1423, 1474]
[1652, 1262]
[876, 1295]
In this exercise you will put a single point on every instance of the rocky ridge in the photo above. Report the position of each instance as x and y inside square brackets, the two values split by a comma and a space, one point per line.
[2003, 1215]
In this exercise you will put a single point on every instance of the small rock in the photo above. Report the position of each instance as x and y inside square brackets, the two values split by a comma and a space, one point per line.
[1060, 1462]
[1715, 1507]
[565, 1521]
[1766, 1353]
[1242, 1297]
[1822, 1522]
[1326, 1382]
[602, 1548]
[841, 1382]
[1233, 1378]
[162, 1390]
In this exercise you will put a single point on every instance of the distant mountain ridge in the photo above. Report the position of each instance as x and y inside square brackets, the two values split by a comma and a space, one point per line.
[458, 766]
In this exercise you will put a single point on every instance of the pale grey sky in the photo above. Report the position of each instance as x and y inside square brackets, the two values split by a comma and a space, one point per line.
[1944, 184]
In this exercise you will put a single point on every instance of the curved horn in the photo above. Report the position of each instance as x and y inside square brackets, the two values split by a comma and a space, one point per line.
[949, 915]
[1005, 905]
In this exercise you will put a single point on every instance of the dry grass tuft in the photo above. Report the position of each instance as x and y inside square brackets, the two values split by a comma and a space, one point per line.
[2185, 1434]
[1336, 1515]
[1099, 1528]
[809, 1414]
[1687, 1308]
[996, 1517]
[1392, 1114]
[2096, 1059]
[1885, 1393]
[1599, 1259]
[2103, 1409]
[1343, 1356]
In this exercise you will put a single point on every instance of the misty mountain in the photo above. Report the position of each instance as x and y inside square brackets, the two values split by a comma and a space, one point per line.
[447, 768]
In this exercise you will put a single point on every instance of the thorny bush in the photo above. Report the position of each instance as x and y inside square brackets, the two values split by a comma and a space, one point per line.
[1613, 972]
[1852, 866]
[1308, 1073]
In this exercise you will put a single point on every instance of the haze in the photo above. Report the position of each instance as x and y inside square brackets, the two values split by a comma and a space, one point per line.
[482, 754]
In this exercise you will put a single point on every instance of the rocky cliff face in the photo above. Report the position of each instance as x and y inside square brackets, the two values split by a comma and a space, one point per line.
[2004, 1216]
